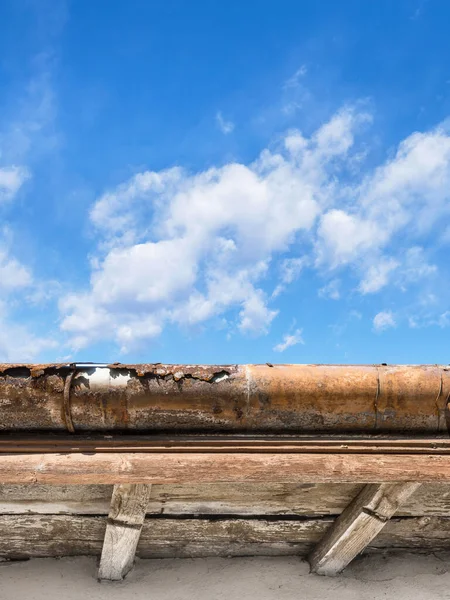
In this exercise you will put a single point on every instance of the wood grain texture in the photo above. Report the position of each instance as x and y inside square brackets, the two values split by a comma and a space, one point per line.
[55, 499]
[28, 536]
[125, 520]
[308, 499]
[214, 468]
[358, 525]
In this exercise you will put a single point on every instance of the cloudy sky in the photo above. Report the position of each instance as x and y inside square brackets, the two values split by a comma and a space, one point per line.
[225, 181]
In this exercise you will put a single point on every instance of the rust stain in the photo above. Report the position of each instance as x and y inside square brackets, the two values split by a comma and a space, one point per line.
[34, 370]
[178, 372]
[297, 399]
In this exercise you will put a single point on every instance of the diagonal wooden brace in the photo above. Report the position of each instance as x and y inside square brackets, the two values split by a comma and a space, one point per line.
[357, 526]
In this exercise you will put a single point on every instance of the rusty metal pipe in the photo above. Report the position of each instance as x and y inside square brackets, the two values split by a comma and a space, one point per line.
[297, 399]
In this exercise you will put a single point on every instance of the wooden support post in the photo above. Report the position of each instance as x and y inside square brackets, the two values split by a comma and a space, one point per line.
[356, 527]
[126, 517]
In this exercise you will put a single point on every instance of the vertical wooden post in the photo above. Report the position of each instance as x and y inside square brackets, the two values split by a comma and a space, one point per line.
[356, 527]
[126, 517]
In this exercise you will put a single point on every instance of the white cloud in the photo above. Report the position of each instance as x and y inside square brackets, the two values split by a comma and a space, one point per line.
[11, 180]
[290, 340]
[412, 189]
[295, 94]
[255, 316]
[383, 320]
[416, 266]
[144, 273]
[179, 247]
[341, 326]
[13, 275]
[225, 126]
[445, 237]
[331, 290]
[377, 275]
[410, 267]
[27, 133]
[412, 323]
[344, 237]
[444, 319]
[290, 269]
[183, 248]
[293, 81]
[17, 344]
[426, 318]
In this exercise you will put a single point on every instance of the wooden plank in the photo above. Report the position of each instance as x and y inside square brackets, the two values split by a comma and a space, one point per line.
[358, 525]
[125, 520]
[254, 499]
[55, 499]
[32, 536]
[204, 498]
[204, 468]
[429, 499]
[416, 534]
[40, 536]
[27, 536]
[183, 538]
[308, 499]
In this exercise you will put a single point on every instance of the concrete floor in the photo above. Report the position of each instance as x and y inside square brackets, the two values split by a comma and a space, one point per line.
[402, 577]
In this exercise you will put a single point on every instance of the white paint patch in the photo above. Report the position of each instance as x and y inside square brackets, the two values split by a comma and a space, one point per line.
[103, 377]
[119, 380]
[221, 378]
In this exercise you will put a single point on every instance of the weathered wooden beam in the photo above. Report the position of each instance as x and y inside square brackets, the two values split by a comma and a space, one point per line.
[33, 536]
[136, 467]
[125, 520]
[357, 526]
[239, 499]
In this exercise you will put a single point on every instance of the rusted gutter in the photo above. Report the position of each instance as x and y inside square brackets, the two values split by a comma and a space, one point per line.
[230, 444]
[297, 399]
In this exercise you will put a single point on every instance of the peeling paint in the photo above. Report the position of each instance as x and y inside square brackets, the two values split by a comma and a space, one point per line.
[98, 378]
[207, 373]
[298, 399]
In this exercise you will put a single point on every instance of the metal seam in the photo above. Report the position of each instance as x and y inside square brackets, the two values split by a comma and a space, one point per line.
[377, 397]
[441, 386]
[446, 404]
[66, 403]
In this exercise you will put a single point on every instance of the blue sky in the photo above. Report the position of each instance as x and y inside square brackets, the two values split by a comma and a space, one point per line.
[225, 182]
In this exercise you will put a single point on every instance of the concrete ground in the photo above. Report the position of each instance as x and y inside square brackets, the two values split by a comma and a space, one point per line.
[402, 577]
